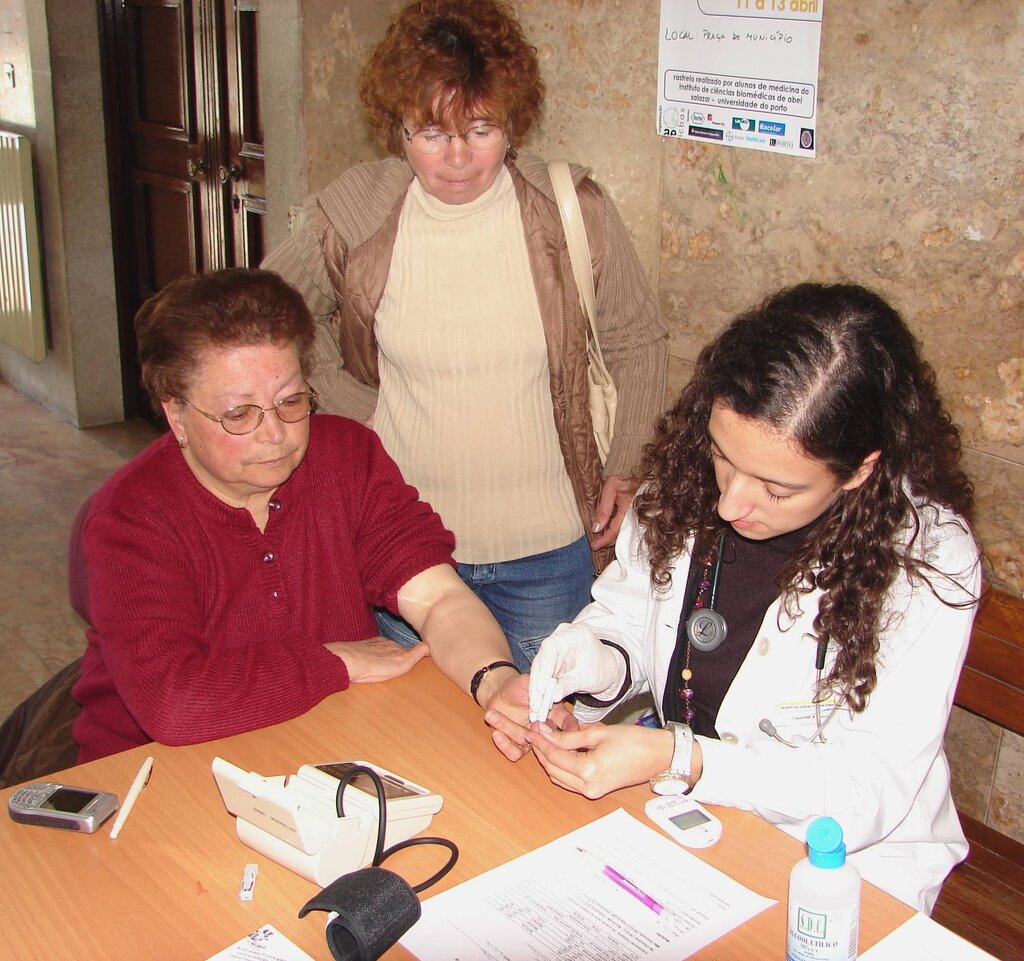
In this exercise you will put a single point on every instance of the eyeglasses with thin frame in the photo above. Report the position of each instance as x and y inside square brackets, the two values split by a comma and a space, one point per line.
[246, 418]
[432, 140]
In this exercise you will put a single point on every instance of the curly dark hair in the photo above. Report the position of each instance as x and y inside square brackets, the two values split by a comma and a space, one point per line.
[836, 369]
[442, 61]
[223, 308]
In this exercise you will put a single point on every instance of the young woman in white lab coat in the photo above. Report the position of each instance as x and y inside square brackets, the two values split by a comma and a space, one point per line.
[807, 488]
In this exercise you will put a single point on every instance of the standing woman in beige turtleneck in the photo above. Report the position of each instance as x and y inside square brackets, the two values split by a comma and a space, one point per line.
[450, 322]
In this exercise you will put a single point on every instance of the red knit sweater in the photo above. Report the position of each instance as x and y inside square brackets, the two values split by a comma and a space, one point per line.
[203, 626]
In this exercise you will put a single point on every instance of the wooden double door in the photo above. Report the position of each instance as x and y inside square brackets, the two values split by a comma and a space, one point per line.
[186, 147]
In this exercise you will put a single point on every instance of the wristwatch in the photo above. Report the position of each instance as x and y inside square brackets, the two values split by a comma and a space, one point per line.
[676, 780]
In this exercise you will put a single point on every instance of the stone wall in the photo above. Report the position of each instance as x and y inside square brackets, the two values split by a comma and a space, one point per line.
[56, 102]
[916, 191]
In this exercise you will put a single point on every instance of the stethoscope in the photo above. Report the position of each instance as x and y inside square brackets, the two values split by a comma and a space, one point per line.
[799, 741]
[706, 629]
[768, 728]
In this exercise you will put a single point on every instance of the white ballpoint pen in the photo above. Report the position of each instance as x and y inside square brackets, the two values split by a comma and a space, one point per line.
[132, 796]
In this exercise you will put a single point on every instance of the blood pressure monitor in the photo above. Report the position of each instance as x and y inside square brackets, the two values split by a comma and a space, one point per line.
[294, 819]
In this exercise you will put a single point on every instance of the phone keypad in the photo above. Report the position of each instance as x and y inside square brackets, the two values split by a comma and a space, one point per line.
[32, 796]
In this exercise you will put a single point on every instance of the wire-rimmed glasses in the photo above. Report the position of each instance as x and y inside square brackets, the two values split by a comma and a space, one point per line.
[245, 418]
[432, 140]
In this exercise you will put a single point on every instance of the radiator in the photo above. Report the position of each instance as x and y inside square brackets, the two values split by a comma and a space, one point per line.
[22, 319]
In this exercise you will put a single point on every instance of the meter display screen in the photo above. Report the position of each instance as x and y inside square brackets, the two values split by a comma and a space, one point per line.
[689, 819]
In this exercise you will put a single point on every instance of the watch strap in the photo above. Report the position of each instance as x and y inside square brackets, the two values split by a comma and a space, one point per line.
[676, 778]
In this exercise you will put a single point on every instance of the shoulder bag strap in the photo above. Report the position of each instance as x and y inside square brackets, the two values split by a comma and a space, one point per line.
[576, 240]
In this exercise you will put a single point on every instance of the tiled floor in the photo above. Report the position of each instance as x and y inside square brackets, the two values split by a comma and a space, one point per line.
[47, 468]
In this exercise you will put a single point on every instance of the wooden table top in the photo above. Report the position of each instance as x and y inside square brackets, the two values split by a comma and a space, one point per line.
[167, 888]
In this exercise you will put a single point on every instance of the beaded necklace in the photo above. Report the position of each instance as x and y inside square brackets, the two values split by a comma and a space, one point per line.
[705, 627]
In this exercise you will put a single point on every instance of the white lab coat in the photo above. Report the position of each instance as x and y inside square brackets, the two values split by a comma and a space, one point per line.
[882, 773]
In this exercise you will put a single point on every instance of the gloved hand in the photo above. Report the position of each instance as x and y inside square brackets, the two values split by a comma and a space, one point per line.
[572, 660]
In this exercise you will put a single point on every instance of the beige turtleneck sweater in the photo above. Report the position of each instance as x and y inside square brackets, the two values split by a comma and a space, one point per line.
[464, 405]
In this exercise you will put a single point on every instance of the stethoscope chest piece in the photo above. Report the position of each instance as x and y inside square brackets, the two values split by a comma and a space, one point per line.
[706, 629]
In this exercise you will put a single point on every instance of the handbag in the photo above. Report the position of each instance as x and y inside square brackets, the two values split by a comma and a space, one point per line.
[600, 386]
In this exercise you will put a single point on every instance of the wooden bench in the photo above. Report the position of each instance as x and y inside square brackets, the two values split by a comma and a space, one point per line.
[983, 898]
[992, 682]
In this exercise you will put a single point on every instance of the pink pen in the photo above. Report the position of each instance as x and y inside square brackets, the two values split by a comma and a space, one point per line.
[623, 882]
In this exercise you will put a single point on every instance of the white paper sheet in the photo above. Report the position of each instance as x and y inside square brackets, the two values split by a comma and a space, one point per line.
[558, 902]
[743, 73]
[264, 944]
[922, 939]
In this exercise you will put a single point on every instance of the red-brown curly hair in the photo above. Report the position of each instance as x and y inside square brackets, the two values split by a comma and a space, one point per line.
[443, 61]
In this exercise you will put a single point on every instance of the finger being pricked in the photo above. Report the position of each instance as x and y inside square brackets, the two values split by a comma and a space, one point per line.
[509, 737]
[513, 750]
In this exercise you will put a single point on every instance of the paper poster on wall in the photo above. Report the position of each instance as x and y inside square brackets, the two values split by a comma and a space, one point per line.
[741, 72]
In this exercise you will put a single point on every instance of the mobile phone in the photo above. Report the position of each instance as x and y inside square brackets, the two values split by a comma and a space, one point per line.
[55, 805]
[684, 820]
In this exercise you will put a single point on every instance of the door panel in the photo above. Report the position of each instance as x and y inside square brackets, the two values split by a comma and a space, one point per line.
[165, 208]
[242, 173]
[160, 69]
[164, 151]
[249, 246]
[185, 151]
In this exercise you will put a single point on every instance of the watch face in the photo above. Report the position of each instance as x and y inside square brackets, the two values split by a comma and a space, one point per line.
[667, 784]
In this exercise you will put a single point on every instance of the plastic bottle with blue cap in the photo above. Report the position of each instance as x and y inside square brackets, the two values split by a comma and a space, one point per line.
[824, 899]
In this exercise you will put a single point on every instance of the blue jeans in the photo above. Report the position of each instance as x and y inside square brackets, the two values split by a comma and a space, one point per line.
[529, 597]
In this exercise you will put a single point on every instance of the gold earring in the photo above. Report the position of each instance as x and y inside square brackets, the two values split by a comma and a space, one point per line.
[183, 442]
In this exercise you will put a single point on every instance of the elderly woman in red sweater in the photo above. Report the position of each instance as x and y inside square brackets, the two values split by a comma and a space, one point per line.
[234, 564]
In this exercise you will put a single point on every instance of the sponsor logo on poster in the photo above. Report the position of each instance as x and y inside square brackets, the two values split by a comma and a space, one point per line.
[705, 133]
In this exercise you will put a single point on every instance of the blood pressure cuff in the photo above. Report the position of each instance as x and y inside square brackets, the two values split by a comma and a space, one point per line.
[370, 910]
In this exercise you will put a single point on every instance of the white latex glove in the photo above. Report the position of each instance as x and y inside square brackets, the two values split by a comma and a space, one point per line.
[572, 660]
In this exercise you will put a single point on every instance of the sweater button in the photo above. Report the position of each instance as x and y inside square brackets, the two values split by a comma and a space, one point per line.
[729, 738]
[763, 646]
[274, 505]
[268, 557]
[275, 594]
